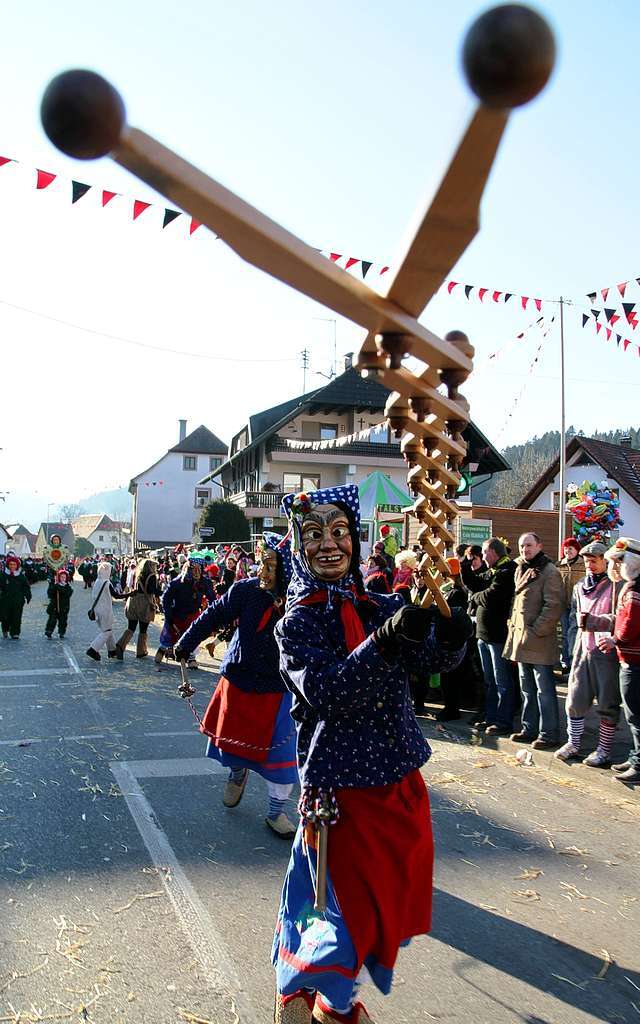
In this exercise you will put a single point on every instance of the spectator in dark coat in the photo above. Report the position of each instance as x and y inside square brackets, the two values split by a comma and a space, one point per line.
[491, 596]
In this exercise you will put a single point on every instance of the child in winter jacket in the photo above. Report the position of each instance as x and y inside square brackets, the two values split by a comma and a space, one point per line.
[59, 593]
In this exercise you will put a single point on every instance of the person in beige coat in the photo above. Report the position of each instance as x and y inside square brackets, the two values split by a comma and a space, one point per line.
[537, 606]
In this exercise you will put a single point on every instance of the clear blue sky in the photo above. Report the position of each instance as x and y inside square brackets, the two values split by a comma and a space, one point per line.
[338, 120]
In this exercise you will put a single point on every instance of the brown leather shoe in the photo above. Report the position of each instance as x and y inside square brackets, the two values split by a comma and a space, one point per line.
[544, 744]
[521, 737]
[234, 791]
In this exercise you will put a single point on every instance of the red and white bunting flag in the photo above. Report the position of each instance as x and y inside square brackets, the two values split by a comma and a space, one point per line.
[622, 288]
[524, 299]
[333, 256]
[351, 262]
[451, 285]
[482, 292]
[108, 196]
[6, 160]
[195, 224]
[496, 296]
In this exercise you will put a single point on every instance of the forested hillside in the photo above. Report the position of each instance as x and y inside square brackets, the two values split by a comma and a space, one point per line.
[529, 460]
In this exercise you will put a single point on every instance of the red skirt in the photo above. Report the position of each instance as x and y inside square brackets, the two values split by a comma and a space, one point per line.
[246, 720]
[381, 862]
[379, 892]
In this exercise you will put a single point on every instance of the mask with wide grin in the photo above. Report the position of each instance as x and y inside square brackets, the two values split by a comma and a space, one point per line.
[327, 542]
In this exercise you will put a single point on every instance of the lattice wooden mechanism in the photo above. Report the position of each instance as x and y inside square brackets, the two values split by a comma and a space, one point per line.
[508, 57]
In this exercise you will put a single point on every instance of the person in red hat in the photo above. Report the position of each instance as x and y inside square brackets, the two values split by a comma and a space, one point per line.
[14, 592]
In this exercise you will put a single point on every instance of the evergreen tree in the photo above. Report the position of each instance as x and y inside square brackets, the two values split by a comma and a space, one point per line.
[228, 521]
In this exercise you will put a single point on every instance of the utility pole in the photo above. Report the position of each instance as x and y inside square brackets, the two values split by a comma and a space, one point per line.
[563, 439]
[305, 366]
[332, 320]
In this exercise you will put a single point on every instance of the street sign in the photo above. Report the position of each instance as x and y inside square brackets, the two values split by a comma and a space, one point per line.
[207, 531]
[474, 531]
[267, 522]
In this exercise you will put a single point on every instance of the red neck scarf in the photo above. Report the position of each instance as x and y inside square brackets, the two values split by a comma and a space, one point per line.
[354, 631]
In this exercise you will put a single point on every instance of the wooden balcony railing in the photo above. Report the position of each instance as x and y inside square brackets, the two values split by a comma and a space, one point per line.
[258, 499]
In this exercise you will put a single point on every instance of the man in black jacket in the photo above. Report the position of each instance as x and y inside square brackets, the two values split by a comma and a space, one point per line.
[491, 596]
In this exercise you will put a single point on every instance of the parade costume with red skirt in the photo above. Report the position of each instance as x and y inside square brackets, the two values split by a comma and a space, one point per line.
[358, 738]
[182, 603]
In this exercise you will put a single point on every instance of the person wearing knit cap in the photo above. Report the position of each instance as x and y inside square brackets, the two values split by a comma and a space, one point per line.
[14, 593]
[571, 568]
[625, 554]
[248, 720]
[345, 655]
[59, 592]
[594, 673]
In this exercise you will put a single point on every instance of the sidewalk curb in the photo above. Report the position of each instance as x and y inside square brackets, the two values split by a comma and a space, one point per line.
[602, 779]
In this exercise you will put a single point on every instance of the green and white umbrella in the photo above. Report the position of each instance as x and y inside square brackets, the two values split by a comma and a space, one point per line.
[377, 491]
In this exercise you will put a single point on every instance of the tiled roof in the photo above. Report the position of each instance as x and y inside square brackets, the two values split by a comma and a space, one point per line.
[261, 421]
[618, 461]
[349, 390]
[201, 441]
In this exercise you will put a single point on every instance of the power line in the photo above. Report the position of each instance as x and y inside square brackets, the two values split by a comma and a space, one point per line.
[143, 344]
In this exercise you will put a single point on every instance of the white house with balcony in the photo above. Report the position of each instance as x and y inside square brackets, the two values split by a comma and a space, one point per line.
[168, 496]
[263, 463]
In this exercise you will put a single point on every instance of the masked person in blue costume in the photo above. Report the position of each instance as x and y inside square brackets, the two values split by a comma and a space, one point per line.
[346, 656]
[248, 719]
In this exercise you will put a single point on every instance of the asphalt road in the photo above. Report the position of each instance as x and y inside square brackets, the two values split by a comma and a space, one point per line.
[127, 892]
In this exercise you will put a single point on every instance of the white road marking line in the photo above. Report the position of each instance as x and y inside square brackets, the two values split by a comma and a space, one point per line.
[174, 767]
[71, 658]
[37, 672]
[18, 686]
[195, 920]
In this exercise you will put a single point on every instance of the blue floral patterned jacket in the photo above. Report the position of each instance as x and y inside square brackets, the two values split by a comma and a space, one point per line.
[354, 713]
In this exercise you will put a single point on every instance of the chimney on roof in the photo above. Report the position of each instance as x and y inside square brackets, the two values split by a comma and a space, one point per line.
[183, 430]
[348, 360]
[626, 440]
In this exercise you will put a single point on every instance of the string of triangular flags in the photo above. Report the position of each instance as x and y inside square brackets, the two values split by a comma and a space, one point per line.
[608, 322]
[44, 179]
[471, 291]
[546, 330]
[620, 288]
[334, 442]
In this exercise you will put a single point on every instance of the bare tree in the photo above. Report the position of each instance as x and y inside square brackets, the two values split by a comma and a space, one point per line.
[69, 512]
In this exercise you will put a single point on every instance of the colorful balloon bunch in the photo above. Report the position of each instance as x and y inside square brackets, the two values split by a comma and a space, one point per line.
[595, 510]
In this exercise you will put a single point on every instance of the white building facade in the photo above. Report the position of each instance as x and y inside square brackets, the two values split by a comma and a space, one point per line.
[167, 498]
[106, 535]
